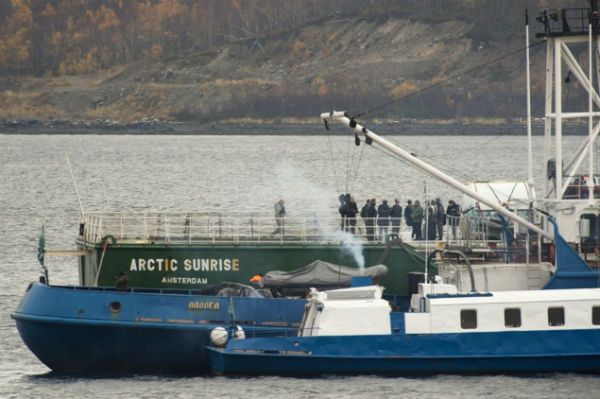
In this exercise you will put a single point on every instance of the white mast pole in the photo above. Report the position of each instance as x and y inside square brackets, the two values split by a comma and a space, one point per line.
[529, 139]
[590, 182]
[548, 111]
[426, 209]
[425, 167]
[558, 119]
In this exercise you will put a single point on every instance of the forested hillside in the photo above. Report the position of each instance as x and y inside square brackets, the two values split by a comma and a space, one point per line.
[222, 59]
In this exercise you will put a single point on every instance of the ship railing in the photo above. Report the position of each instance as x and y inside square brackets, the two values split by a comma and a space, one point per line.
[263, 228]
[578, 189]
[280, 332]
[568, 21]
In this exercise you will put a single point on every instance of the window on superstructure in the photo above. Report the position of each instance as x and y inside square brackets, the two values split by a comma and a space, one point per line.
[596, 315]
[556, 316]
[512, 317]
[468, 319]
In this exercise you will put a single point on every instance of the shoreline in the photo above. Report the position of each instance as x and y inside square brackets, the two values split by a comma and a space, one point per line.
[155, 127]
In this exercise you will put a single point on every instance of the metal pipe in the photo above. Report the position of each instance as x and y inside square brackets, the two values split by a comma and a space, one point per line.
[576, 70]
[576, 115]
[581, 156]
[462, 255]
[548, 111]
[558, 118]
[429, 169]
[586, 83]
[529, 139]
[590, 151]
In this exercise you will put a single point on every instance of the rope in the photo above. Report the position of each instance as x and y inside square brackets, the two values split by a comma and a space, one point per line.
[352, 170]
[451, 77]
[357, 169]
[348, 163]
[337, 187]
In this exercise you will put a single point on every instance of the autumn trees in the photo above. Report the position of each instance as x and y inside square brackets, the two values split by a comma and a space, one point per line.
[81, 36]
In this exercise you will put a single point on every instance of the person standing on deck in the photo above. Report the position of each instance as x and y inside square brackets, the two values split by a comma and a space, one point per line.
[430, 219]
[279, 215]
[453, 213]
[396, 214]
[363, 215]
[383, 219]
[352, 211]
[372, 217]
[344, 210]
[417, 219]
[408, 217]
[440, 219]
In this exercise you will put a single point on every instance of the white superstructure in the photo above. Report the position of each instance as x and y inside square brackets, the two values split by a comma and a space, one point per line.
[538, 310]
[347, 311]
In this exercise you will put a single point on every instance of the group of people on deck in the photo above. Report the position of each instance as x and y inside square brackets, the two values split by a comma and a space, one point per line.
[378, 219]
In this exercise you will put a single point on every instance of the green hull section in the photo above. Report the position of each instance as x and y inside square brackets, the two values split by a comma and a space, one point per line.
[196, 266]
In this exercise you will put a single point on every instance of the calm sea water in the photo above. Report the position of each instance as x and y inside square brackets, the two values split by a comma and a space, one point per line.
[194, 173]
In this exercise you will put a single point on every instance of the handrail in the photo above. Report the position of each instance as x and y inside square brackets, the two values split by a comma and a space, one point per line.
[302, 228]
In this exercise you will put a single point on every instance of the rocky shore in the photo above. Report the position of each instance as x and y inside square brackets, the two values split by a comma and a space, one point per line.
[143, 126]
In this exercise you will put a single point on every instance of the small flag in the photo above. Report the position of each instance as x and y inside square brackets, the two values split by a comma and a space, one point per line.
[41, 247]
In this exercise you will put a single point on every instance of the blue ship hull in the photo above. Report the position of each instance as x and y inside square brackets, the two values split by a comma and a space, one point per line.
[74, 329]
[400, 354]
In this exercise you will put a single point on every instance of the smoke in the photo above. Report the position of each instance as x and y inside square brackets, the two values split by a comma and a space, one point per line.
[301, 193]
[350, 245]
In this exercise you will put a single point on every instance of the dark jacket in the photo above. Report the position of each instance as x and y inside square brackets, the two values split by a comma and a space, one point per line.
[431, 215]
[343, 210]
[352, 209]
[440, 214]
[383, 213]
[396, 214]
[364, 210]
[417, 214]
[454, 211]
[408, 214]
[371, 212]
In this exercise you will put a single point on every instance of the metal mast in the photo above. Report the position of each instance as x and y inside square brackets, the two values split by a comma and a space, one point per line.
[569, 188]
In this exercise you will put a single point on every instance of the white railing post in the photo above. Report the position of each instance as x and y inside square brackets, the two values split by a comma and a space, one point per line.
[212, 231]
[220, 226]
[146, 238]
[167, 227]
[190, 229]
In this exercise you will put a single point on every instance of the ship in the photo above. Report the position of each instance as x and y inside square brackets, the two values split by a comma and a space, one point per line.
[168, 259]
[355, 331]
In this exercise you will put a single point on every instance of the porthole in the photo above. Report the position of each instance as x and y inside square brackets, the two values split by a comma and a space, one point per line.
[115, 306]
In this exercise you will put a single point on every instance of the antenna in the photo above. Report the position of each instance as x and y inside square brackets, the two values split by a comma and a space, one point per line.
[529, 140]
[76, 190]
[590, 183]
[426, 209]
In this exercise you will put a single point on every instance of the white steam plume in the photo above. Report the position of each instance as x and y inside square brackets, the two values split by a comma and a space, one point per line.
[302, 193]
